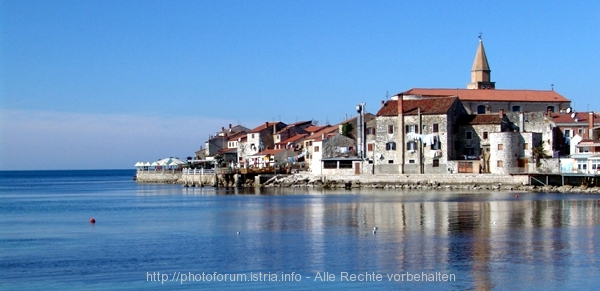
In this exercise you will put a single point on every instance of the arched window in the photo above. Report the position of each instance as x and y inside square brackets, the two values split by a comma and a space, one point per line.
[481, 109]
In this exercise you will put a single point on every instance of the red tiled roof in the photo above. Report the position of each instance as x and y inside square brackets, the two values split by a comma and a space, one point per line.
[315, 128]
[326, 131]
[264, 126]
[293, 138]
[492, 95]
[582, 117]
[237, 135]
[433, 105]
[481, 119]
[227, 150]
[301, 123]
[588, 143]
[329, 135]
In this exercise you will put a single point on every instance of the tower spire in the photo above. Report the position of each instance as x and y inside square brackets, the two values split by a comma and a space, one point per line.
[481, 73]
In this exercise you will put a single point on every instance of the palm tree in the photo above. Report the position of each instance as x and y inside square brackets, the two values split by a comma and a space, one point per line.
[539, 153]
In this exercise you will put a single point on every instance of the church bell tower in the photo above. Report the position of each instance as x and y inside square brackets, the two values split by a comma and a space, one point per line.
[480, 73]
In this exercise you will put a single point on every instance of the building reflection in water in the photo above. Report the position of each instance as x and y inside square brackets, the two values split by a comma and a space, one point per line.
[491, 240]
[487, 239]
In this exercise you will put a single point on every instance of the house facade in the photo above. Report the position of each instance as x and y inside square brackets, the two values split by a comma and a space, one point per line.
[414, 134]
[336, 155]
[260, 139]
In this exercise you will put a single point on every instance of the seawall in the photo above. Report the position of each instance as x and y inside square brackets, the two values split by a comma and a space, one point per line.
[174, 177]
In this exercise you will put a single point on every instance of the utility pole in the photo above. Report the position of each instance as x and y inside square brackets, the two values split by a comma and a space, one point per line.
[360, 131]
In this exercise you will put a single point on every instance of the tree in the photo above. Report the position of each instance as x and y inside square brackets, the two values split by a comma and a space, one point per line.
[346, 129]
[539, 153]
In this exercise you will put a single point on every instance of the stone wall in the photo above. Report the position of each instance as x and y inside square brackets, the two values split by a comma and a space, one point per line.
[164, 177]
[504, 152]
[443, 179]
[537, 122]
[491, 107]
[197, 179]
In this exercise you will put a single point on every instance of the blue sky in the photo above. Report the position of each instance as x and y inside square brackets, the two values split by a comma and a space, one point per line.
[105, 84]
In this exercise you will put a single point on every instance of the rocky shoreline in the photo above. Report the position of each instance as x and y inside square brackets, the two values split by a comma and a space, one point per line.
[414, 182]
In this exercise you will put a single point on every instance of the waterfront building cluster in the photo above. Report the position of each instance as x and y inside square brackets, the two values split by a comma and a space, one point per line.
[477, 130]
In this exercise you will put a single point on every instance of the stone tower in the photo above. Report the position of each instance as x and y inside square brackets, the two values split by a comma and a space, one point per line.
[480, 73]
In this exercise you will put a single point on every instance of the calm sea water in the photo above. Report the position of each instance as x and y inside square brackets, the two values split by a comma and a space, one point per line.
[166, 236]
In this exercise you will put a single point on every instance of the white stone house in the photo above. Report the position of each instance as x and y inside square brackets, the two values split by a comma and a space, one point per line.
[336, 155]
[260, 139]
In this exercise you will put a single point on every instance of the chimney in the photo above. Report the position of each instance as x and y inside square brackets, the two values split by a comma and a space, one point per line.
[274, 128]
[230, 126]
[222, 129]
[591, 125]
[340, 128]
[382, 103]
[400, 104]
[501, 112]
[521, 121]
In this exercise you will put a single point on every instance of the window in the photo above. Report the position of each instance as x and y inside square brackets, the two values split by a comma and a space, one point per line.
[567, 133]
[436, 145]
[581, 164]
[469, 135]
[390, 129]
[485, 135]
[500, 163]
[500, 146]
[390, 146]
[435, 127]
[253, 135]
[390, 161]
[580, 131]
[411, 128]
[595, 165]
[411, 146]
[316, 149]
[525, 146]
[345, 164]
[481, 109]
[411, 161]
[370, 147]
[329, 164]
[371, 130]
[550, 108]
[516, 108]
[436, 163]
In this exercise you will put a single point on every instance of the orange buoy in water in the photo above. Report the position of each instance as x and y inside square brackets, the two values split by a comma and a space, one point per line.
[517, 196]
[92, 220]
